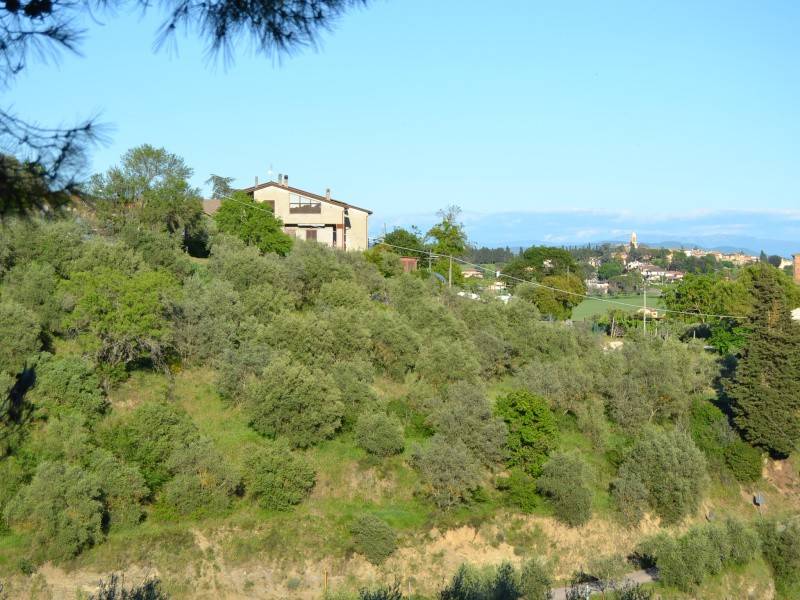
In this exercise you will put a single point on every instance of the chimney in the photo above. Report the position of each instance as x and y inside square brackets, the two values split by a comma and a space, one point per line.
[280, 178]
[256, 180]
[285, 181]
[797, 268]
[328, 194]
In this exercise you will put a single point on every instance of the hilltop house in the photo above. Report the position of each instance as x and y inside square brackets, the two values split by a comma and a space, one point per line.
[309, 216]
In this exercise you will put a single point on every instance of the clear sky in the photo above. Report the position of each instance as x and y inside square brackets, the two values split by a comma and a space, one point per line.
[637, 108]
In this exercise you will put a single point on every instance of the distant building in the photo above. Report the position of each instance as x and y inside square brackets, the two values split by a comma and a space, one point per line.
[597, 287]
[796, 258]
[497, 286]
[310, 216]
[469, 273]
[634, 240]
[409, 264]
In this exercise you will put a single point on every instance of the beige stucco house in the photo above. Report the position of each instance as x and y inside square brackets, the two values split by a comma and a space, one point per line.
[309, 216]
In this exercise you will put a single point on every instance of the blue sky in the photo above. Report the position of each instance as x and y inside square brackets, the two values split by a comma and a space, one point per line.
[631, 114]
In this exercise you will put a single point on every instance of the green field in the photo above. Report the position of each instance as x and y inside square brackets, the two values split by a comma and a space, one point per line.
[600, 306]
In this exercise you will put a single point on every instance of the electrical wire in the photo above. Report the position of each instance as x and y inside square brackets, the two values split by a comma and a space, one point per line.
[555, 289]
[535, 283]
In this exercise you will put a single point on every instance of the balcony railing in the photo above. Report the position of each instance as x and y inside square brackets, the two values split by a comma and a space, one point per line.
[305, 209]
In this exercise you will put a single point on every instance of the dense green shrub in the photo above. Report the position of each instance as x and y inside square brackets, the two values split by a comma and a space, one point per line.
[686, 561]
[207, 319]
[158, 249]
[379, 434]
[387, 262]
[502, 583]
[710, 429]
[520, 490]
[631, 497]
[443, 361]
[297, 402]
[342, 293]
[276, 477]
[13, 476]
[62, 438]
[202, 482]
[121, 319]
[68, 384]
[265, 301]
[394, 343]
[781, 547]
[122, 487]
[252, 222]
[20, 332]
[114, 254]
[654, 380]
[448, 470]
[237, 365]
[33, 285]
[744, 461]
[321, 340]
[243, 265]
[532, 430]
[670, 468]
[373, 538]
[565, 482]
[54, 242]
[535, 580]
[462, 412]
[566, 381]
[61, 509]
[385, 592]
[354, 380]
[310, 266]
[148, 436]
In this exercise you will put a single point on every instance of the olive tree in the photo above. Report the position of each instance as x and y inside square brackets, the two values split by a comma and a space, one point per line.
[448, 470]
[62, 510]
[289, 399]
[277, 478]
[664, 472]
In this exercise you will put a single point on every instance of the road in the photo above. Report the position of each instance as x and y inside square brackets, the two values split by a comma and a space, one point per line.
[641, 576]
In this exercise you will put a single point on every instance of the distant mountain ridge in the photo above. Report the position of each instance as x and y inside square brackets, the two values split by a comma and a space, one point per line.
[775, 232]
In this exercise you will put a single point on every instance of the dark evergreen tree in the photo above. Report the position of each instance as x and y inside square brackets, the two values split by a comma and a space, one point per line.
[765, 388]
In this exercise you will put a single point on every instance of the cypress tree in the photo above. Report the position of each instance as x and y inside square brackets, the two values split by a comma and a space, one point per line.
[765, 388]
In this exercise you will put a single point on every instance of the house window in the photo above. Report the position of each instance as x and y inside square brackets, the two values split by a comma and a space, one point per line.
[311, 234]
[301, 204]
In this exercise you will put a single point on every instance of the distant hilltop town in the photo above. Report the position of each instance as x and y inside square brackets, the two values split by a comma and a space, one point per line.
[665, 265]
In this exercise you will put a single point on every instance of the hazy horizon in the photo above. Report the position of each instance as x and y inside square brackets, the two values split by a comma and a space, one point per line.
[407, 107]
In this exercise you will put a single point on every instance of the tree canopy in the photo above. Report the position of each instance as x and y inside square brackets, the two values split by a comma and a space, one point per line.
[765, 389]
[48, 164]
[253, 223]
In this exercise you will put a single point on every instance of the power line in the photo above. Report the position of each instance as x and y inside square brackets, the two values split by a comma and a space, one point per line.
[555, 289]
[432, 254]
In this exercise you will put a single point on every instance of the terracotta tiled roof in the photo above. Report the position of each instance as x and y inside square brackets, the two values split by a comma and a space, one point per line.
[211, 206]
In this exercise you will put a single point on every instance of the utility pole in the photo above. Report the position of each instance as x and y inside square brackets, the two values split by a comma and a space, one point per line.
[645, 308]
[450, 274]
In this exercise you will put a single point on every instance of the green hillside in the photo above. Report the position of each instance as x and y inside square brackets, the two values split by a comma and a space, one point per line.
[250, 424]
